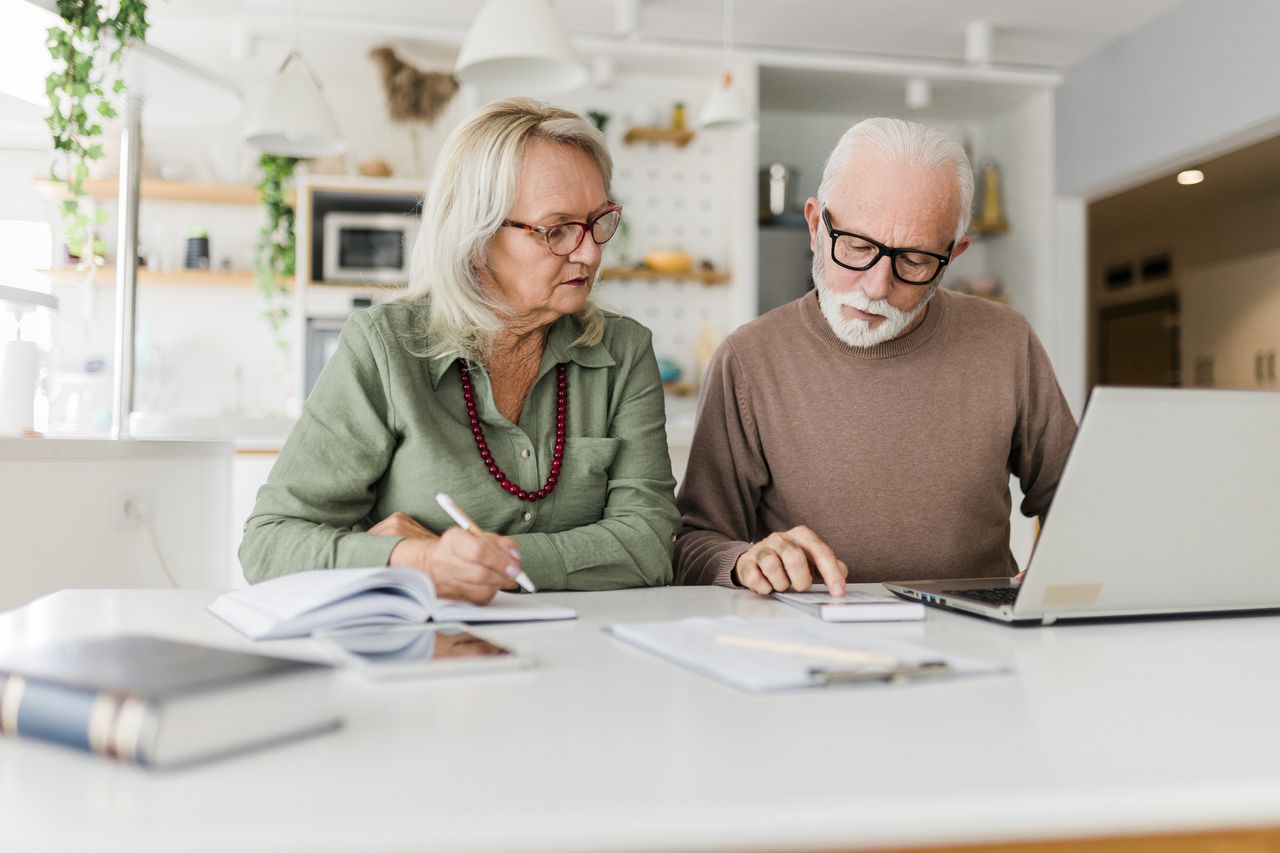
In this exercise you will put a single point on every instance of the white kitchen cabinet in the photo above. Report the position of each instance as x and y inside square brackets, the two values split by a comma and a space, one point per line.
[64, 523]
[249, 471]
[1231, 323]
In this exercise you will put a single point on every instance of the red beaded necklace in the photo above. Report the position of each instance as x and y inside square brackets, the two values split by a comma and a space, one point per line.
[477, 431]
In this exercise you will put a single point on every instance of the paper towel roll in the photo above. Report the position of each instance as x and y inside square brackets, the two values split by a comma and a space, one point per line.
[18, 375]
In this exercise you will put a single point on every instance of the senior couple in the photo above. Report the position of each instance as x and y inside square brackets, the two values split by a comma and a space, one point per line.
[864, 432]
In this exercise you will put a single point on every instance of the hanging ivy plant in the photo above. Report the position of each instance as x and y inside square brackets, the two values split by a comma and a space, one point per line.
[88, 48]
[277, 243]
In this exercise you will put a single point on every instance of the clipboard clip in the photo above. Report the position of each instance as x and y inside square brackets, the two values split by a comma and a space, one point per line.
[892, 675]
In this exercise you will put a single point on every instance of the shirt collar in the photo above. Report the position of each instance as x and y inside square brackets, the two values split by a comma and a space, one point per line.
[559, 348]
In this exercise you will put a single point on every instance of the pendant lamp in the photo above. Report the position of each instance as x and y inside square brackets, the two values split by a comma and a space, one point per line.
[726, 108]
[519, 46]
[294, 118]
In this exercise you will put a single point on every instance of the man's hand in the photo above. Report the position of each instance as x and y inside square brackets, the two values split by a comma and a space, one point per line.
[786, 560]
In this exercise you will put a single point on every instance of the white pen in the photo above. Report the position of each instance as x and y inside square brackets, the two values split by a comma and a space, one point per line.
[464, 521]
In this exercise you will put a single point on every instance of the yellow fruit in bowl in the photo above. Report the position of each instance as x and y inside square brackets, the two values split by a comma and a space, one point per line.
[671, 263]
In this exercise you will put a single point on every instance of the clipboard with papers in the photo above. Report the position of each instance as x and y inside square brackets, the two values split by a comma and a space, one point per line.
[760, 655]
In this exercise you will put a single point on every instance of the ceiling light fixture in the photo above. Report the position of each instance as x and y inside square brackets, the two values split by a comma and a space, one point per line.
[978, 38]
[919, 93]
[1189, 177]
[519, 46]
[294, 118]
[726, 108]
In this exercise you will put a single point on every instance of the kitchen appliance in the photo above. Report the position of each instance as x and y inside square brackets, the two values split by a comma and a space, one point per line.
[21, 363]
[322, 342]
[368, 247]
[777, 191]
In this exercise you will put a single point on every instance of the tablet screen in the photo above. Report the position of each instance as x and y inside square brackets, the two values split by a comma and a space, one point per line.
[413, 644]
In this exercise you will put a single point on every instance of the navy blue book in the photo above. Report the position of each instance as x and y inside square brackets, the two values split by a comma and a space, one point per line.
[158, 702]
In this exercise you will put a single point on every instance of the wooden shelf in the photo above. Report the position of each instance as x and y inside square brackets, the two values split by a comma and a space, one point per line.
[678, 138]
[185, 277]
[704, 276]
[156, 190]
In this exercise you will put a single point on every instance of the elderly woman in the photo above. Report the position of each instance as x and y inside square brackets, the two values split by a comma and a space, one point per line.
[495, 381]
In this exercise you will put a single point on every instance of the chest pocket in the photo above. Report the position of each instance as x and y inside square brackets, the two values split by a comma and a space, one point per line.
[584, 479]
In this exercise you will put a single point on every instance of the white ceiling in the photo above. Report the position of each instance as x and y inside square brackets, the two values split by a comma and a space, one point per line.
[1041, 33]
[246, 39]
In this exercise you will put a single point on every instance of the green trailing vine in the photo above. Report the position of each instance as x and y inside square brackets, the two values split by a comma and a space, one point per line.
[88, 47]
[277, 243]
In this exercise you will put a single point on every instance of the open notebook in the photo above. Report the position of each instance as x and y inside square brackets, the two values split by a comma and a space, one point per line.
[298, 604]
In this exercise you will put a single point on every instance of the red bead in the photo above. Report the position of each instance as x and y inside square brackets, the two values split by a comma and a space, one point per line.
[486, 456]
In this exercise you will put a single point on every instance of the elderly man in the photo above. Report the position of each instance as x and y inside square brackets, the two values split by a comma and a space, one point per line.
[867, 431]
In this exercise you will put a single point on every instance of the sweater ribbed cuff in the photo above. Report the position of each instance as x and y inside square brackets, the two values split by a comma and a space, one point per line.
[726, 560]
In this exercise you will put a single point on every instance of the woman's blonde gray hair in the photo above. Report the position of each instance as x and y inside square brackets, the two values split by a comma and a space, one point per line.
[473, 188]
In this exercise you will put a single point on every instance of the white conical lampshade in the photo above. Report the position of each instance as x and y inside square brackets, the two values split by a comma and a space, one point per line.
[519, 44]
[294, 119]
[726, 108]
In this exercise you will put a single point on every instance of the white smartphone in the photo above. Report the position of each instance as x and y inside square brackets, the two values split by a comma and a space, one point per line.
[416, 651]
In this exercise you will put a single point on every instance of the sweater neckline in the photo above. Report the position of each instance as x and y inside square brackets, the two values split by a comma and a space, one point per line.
[817, 323]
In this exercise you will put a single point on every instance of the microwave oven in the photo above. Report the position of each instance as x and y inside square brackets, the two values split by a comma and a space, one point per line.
[368, 247]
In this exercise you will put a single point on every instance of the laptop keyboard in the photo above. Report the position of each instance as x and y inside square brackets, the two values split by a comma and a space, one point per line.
[997, 596]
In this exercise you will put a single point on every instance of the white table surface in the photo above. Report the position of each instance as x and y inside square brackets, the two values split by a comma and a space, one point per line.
[1100, 730]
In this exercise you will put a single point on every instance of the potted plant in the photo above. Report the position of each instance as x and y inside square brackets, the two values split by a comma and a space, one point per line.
[88, 48]
[277, 243]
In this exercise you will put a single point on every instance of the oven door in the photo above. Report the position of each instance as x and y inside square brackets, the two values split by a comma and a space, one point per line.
[322, 343]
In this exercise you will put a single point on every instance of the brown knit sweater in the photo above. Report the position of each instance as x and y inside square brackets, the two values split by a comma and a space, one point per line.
[897, 455]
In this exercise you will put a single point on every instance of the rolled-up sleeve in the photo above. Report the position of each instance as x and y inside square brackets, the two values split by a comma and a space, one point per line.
[324, 483]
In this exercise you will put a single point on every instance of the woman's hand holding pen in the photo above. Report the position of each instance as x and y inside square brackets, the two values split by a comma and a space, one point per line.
[464, 565]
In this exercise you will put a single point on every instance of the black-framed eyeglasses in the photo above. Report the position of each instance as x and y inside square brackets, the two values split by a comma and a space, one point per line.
[858, 253]
[564, 238]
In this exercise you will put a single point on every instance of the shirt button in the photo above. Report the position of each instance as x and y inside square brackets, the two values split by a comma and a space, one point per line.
[527, 516]
[524, 454]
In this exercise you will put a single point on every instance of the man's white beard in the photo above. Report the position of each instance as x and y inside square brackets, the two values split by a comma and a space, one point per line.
[857, 332]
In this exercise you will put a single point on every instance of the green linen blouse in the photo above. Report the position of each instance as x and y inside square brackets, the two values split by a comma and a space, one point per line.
[384, 430]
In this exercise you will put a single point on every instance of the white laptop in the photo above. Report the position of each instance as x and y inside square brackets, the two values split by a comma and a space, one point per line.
[1169, 503]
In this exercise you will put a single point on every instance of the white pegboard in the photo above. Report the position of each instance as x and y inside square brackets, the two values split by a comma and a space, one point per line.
[673, 198]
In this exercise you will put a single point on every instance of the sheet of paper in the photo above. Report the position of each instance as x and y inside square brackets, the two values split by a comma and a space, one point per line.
[801, 644]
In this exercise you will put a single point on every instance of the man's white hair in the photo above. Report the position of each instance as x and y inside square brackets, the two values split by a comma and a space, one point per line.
[903, 142]
[475, 183]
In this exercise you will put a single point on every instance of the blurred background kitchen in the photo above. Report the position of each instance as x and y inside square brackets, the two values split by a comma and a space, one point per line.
[1126, 154]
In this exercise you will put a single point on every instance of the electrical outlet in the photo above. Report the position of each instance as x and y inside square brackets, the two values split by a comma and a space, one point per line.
[130, 505]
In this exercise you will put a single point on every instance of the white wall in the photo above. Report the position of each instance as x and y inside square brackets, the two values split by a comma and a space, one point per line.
[1020, 142]
[1199, 77]
[62, 527]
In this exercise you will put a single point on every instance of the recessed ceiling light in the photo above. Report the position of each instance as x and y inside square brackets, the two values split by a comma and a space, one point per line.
[1190, 176]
